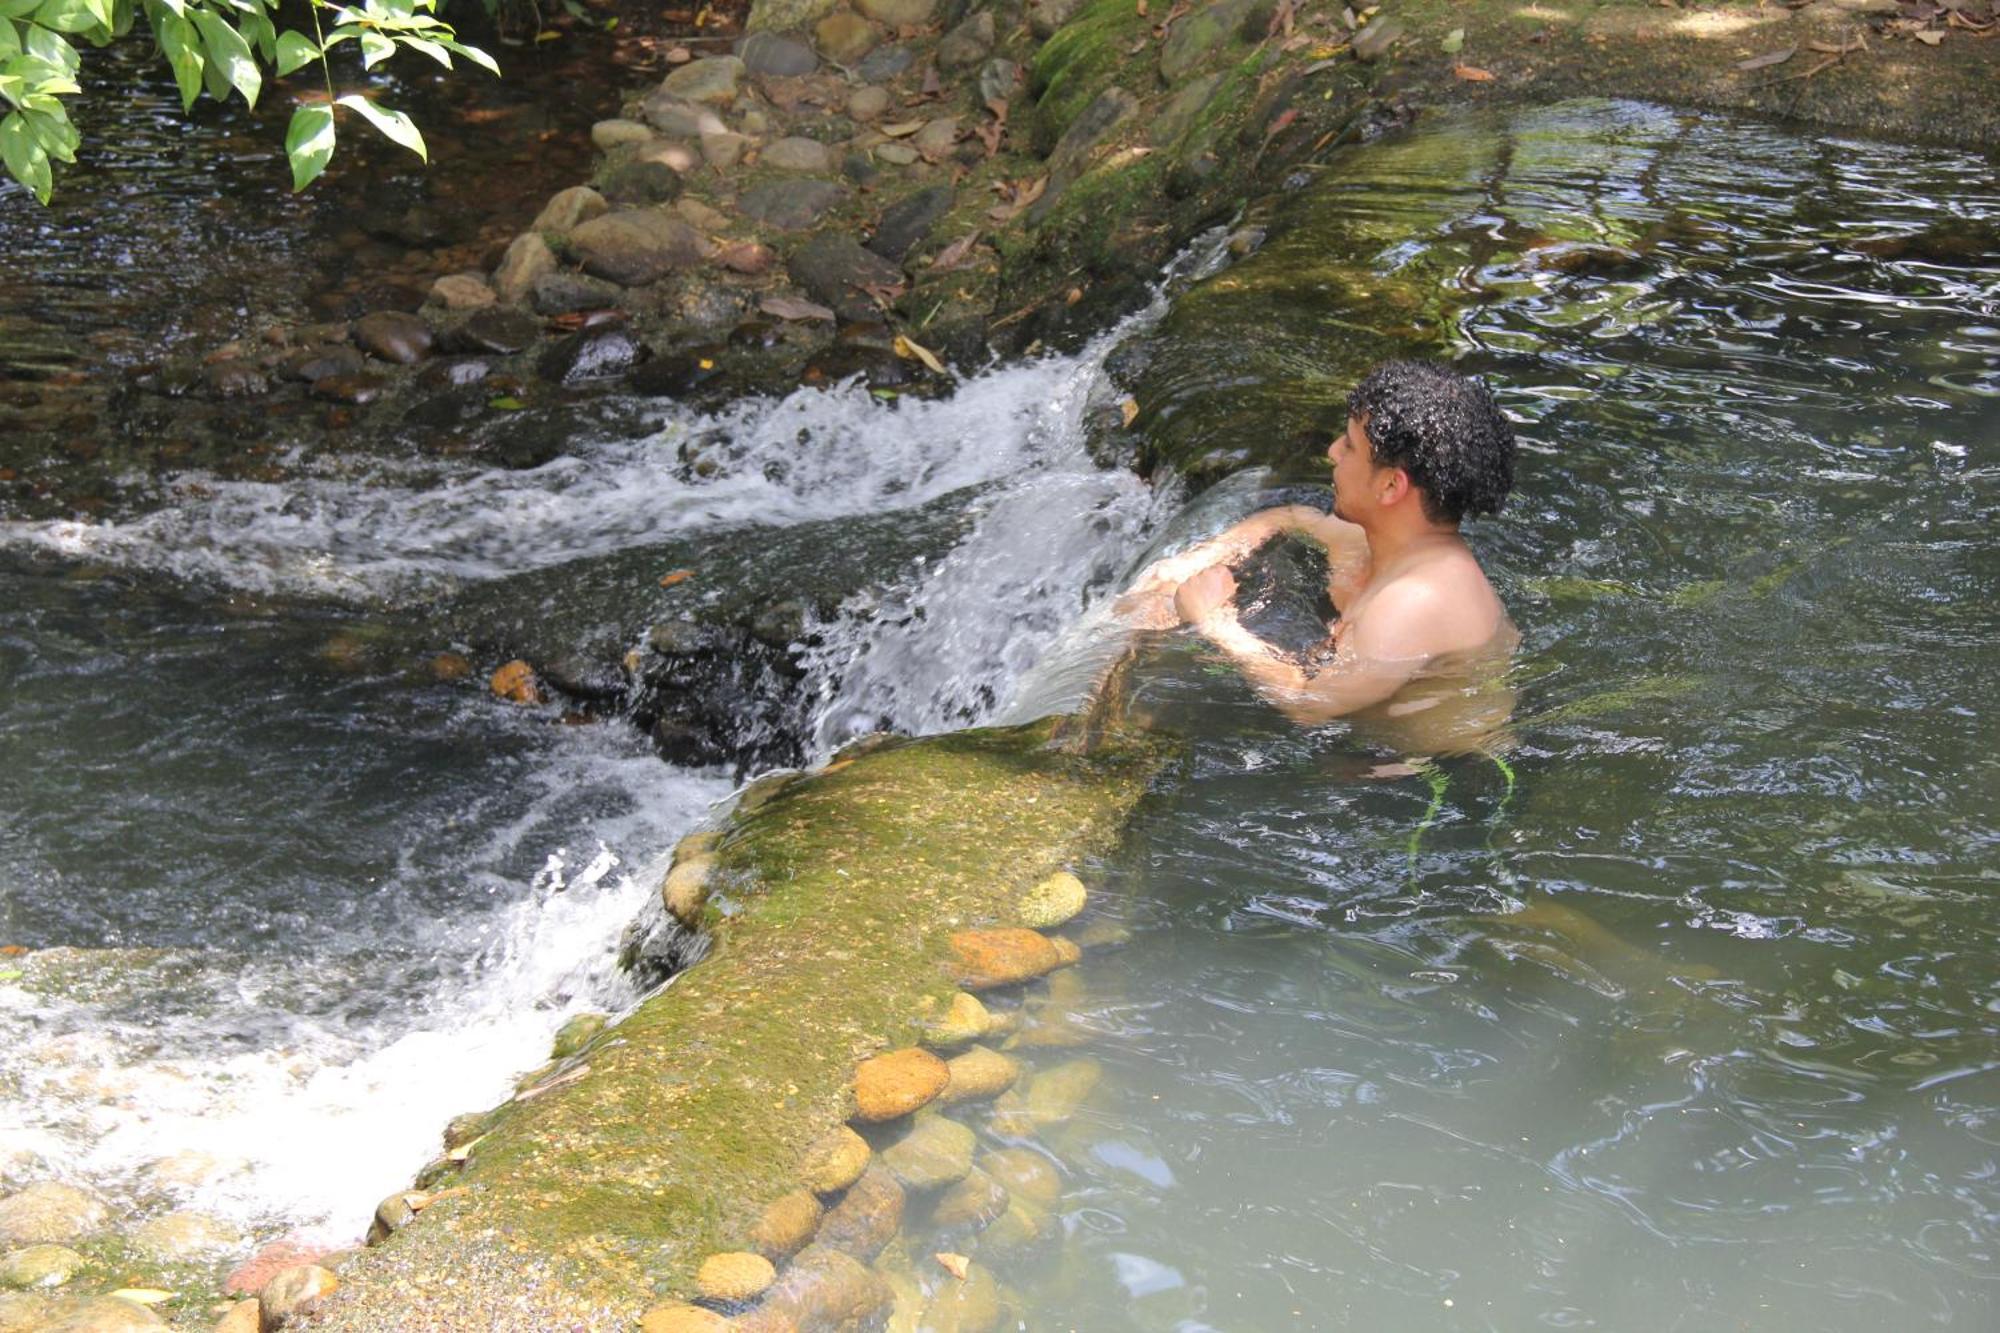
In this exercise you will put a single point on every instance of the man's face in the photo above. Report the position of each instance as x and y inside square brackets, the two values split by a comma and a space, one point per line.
[1353, 458]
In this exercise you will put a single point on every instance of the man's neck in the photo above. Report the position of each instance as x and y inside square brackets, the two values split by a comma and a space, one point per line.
[1391, 542]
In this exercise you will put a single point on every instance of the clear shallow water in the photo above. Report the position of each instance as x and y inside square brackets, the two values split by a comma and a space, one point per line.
[1700, 1028]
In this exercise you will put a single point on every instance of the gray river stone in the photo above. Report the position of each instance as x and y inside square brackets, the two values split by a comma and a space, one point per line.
[644, 182]
[834, 270]
[592, 354]
[1373, 42]
[791, 205]
[778, 54]
[606, 135]
[500, 332]
[636, 246]
[898, 13]
[528, 257]
[797, 154]
[563, 293]
[356, 390]
[567, 209]
[714, 80]
[394, 336]
[967, 44]
[1045, 16]
[845, 38]
[672, 114]
[236, 379]
[888, 63]
[999, 79]
[908, 220]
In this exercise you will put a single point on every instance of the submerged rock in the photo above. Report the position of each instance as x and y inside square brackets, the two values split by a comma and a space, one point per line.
[984, 959]
[184, 1235]
[821, 1288]
[104, 1314]
[979, 1075]
[40, 1266]
[788, 1225]
[735, 1276]
[1052, 902]
[973, 1202]
[935, 1152]
[836, 1161]
[51, 1213]
[393, 336]
[866, 1217]
[678, 1318]
[1024, 1172]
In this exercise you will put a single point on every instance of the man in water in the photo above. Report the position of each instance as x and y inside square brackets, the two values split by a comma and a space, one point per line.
[1424, 449]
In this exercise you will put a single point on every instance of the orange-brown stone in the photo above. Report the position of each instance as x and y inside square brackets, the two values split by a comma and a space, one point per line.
[983, 959]
[893, 1085]
[515, 682]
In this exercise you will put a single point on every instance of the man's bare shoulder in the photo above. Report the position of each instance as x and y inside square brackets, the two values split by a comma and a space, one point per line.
[1440, 607]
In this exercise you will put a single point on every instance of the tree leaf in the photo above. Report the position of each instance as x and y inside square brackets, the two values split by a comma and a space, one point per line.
[474, 54]
[375, 48]
[66, 16]
[394, 125]
[792, 307]
[182, 46]
[295, 49]
[18, 9]
[26, 160]
[309, 143]
[52, 47]
[1472, 74]
[911, 349]
[49, 123]
[1454, 42]
[230, 55]
[10, 40]
[1769, 58]
[428, 47]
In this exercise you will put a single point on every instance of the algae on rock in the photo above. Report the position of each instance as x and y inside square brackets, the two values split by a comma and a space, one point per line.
[669, 1137]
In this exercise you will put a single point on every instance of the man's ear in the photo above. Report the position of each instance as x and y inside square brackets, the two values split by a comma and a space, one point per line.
[1396, 487]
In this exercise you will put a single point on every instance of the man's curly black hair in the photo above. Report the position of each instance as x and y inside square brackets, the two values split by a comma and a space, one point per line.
[1441, 428]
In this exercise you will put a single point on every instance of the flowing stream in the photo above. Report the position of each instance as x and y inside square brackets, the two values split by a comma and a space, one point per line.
[1678, 1010]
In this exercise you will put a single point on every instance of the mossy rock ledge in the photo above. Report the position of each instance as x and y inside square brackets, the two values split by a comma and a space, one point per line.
[599, 1192]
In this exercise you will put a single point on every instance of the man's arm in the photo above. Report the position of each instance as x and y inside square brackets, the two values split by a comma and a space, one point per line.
[1149, 600]
[1370, 662]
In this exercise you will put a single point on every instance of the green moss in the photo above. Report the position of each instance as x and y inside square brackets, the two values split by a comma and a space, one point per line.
[1085, 56]
[840, 894]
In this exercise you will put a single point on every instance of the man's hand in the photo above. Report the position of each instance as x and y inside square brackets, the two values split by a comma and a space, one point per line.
[1204, 594]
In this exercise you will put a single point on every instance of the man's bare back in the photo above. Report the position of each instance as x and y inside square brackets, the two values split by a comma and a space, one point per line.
[1413, 602]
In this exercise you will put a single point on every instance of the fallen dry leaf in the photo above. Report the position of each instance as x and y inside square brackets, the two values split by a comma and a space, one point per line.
[902, 128]
[464, 1150]
[679, 55]
[912, 350]
[1929, 36]
[677, 576]
[1140, 8]
[558, 1081]
[1471, 74]
[1129, 410]
[792, 307]
[957, 1264]
[146, 1295]
[1768, 59]
[955, 254]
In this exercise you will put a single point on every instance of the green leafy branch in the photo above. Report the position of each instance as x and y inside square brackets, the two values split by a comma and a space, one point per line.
[212, 46]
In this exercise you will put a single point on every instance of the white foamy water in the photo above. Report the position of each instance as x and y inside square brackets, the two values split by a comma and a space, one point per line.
[317, 1116]
[815, 454]
[308, 1128]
